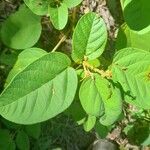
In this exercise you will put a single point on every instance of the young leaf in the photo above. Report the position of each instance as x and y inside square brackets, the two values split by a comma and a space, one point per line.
[136, 14]
[22, 141]
[90, 97]
[113, 107]
[39, 7]
[33, 130]
[90, 123]
[42, 90]
[58, 16]
[89, 38]
[72, 3]
[129, 38]
[95, 62]
[131, 68]
[22, 29]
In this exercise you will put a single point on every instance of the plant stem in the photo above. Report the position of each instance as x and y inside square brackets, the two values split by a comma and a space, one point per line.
[103, 73]
[65, 36]
[59, 43]
[74, 17]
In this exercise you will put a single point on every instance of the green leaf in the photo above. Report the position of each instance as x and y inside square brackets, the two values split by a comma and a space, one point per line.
[39, 7]
[41, 91]
[89, 38]
[129, 38]
[122, 2]
[95, 63]
[81, 121]
[80, 74]
[90, 97]
[37, 65]
[115, 12]
[132, 133]
[101, 130]
[113, 107]
[25, 58]
[58, 16]
[100, 99]
[147, 141]
[6, 143]
[72, 3]
[22, 141]
[21, 30]
[76, 111]
[90, 123]
[127, 129]
[33, 130]
[131, 68]
[136, 14]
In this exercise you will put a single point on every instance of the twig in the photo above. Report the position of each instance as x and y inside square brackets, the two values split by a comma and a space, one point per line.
[59, 43]
[103, 73]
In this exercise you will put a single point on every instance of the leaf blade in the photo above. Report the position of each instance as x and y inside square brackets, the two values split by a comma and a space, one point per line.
[39, 7]
[93, 40]
[43, 93]
[14, 28]
[58, 16]
[90, 97]
[137, 11]
[71, 4]
[22, 141]
[131, 69]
